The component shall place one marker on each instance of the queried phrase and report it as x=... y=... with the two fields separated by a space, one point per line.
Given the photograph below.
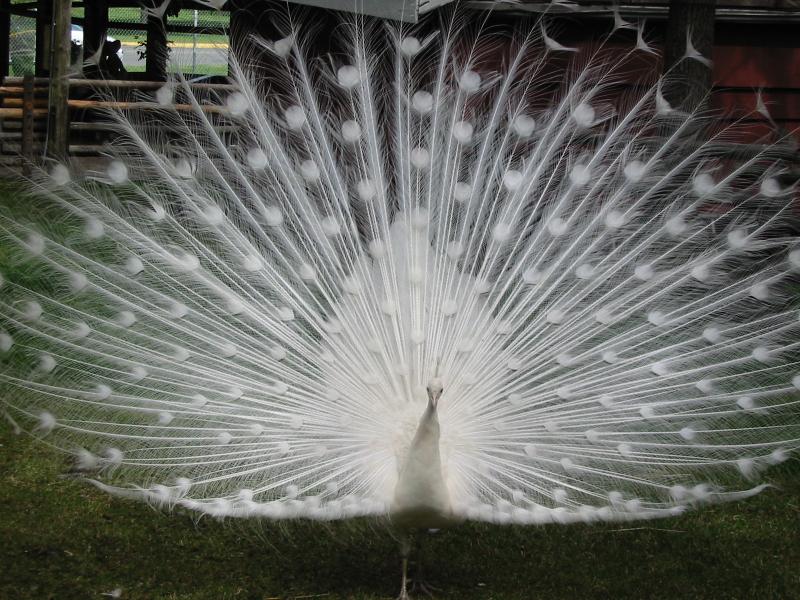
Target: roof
x=411 y=10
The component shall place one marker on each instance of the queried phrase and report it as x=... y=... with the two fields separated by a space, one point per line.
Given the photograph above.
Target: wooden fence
x=24 y=118
x=24 y=114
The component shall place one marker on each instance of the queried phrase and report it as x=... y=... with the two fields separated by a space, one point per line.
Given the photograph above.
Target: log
x=122 y=84
x=19 y=102
x=124 y=105
x=92 y=126
x=16 y=113
x=38 y=146
x=17 y=90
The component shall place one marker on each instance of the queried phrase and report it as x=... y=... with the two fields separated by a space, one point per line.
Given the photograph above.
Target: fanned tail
x=240 y=315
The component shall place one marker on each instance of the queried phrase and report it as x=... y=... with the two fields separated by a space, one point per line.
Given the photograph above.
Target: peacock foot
x=423 y=587
x=418 y=588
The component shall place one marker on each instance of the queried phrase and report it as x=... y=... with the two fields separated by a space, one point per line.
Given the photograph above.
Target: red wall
x=740 y=70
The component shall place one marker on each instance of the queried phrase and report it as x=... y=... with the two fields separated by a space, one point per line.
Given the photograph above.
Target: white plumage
x=241 y=315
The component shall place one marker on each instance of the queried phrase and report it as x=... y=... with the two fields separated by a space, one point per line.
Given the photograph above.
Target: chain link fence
x=198 y=54
x=22 y=44
x=191 y=53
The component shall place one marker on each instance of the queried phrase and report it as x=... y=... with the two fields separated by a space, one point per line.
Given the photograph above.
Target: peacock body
x=427 y=276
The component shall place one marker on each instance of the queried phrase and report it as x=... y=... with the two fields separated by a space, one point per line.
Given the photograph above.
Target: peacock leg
x=405 y=549
x=418 y=583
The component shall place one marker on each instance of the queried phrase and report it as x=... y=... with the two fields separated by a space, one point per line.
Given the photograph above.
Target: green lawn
x=199 y=69
x=181 y=38
x=63 y=539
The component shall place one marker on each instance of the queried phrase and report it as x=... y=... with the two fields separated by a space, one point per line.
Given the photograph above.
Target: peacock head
x=435 y=389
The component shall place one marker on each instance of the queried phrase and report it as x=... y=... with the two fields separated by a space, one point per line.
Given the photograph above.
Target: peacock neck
x=421 y=499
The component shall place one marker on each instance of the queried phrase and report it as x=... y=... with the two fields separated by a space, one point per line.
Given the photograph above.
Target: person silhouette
x=110 y=63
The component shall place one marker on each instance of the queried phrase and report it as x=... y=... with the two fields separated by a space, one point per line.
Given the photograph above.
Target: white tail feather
x=244 y=323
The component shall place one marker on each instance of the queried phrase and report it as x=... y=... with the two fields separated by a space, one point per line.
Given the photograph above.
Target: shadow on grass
x=62 y=539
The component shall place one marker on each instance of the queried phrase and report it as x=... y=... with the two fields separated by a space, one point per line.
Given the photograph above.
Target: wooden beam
x=58 y=126
x=19 y=113
x=44 y=19
x=154 y=106
x=120 y=83
x=403 y=10
x=689 y=80
x=23 y=102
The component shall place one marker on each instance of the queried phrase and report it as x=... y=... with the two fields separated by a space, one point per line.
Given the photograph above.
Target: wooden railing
x=24 y=117
x=24 y=114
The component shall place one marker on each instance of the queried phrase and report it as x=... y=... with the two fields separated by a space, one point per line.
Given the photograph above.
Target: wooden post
x=27 y=123
x=246 y=20
x=5 y=37
x=689 y=79
x=95 y=25
x=44 y=19
x=58 y=122
x=156 y=59
x=238 y=28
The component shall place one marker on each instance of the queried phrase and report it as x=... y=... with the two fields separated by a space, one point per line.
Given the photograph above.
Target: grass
x=199 y=69
x=181 y=38
x=63 y=539
x=208 y=69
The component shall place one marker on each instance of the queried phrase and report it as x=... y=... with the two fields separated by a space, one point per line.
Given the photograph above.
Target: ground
x=62 y=539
